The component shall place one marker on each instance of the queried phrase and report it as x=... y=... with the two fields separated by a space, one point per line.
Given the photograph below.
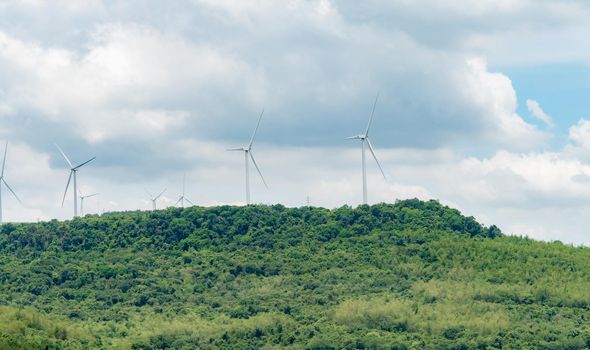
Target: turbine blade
x=353 y=137
x=374 y=156
x=67 y=186
x=235 y=149
x=65 y=157
x=11 y=191
x=189 y=201
x=255 y=130
x=372 y=114
x=178 y=201
x=4 y=161
x=86 y=162
x=149 y=194
x=258 y=169
x=91 y=195
x=161 y=193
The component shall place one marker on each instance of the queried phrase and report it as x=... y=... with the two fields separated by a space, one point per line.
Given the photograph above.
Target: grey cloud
x=316 y=79
x=582 y=178
x=448 y=25
x=157 y=89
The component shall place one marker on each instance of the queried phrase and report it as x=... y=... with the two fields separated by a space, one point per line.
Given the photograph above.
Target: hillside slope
x=412 y=275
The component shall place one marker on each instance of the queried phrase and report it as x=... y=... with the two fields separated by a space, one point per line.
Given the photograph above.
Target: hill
x=410 y=275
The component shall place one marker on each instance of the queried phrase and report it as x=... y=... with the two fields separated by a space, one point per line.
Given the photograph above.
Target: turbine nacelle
x=365 y=138
x=81 y=165
x=182 y=197
x=87 y=196
x=73 y=172
x=82 y=198
x=154 y=199
x=249 y=156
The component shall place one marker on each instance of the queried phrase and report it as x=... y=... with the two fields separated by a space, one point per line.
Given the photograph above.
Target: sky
x=482 y=105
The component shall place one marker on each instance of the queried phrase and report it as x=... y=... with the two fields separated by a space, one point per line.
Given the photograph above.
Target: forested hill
x=410 y=275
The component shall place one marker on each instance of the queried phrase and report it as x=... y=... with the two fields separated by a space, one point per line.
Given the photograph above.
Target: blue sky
x=483 y=105
x=563 y=87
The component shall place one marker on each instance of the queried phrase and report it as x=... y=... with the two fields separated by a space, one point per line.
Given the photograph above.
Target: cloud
x=131 y=88
x=518 y=191
x=109 y=90
x=578 y=142
x=494 y=95
x=543 y=179
x=159 y=89
x=322 y=78
x=539 y=113
x=579 y=134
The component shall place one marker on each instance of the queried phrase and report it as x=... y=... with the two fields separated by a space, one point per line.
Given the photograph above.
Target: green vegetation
x=413 y=275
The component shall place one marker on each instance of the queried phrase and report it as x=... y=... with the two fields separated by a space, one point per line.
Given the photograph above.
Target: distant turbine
x=3 y=181
x=182 y=196
x=155 y=199
x=82 y=198
x=73 y=172
x=247 y=156
x=365 y=138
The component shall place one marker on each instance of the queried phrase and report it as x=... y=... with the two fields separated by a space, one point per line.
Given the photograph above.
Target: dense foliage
x=412 y=275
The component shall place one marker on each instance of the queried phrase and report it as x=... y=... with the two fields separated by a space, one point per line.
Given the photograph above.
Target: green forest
x=410 y=275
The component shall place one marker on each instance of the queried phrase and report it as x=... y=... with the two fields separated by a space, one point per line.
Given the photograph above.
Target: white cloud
x=579 y=136
x=546 y=177
x=518 y=192
x=104 y=93
x=496 y=98
x=125 y=73
x=539 y=113
x=156 y=91
x=578 y=145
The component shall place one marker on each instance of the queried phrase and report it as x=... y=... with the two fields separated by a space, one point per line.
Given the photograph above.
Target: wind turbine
x=182 y=197
x=82 y=198
x=247 y=156
x=3 y=181
x=155 y=199
x=73 y=173
x=365 y=138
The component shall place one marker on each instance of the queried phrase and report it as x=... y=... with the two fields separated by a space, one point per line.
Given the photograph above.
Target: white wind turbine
x=3 y=181
x=182 y=197
x=82 y=198
x=247 y=156
x=365 y=138
x=155 y=199
x=73 y=173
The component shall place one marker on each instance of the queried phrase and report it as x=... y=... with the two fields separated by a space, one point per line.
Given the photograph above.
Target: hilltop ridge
x=175 y=225
x=409 y=275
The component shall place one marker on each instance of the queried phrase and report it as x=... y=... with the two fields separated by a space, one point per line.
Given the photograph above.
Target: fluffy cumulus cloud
x=304 y=61
x=496 y=99
x=157 y=90
x=579 y=140
x=132 y=81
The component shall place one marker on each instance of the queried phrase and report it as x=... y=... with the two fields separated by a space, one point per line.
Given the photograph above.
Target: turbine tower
x=247 y=156
x=73 y=173
x=155 y=199
x=82 y=198
x=182 y=197
x=3 y=181
x=365 y=138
